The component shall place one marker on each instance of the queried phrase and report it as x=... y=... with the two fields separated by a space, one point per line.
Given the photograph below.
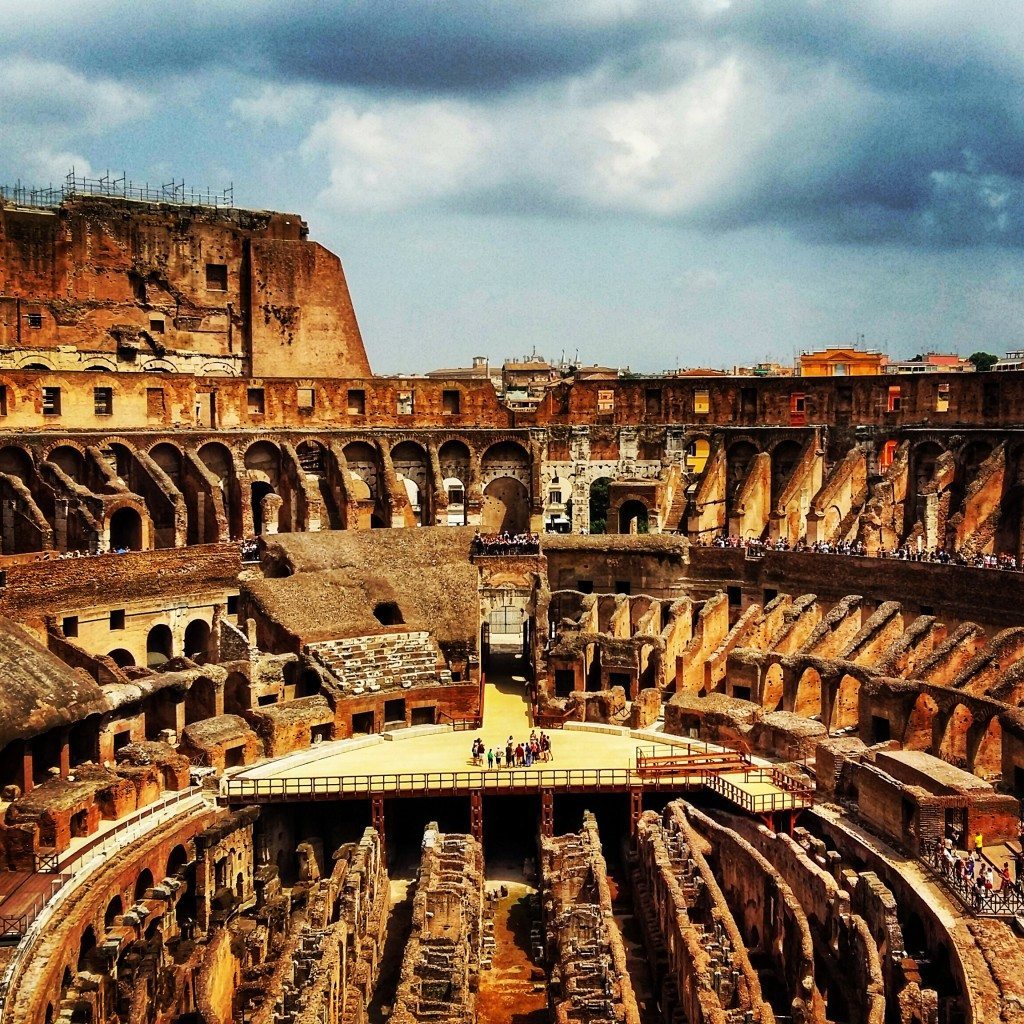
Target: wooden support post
x=27 y=768
x=377 y=815
x=476 y=815
x=547 y=813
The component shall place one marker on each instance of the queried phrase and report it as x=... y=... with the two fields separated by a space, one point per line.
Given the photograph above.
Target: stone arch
x=263 y=461
x=177 y=859
x=412 y=464
x=86 y=944
x=785 y=456
x=126 y=532
x=954 y=746
x=220 y=464
x=70 y=459
x=454 y=458
x=697 y=454
x=919 y=733
x=507 y=458
x=237 y=694
x=121 y=657
x=217 y=458
x=170 y=459
x=773 y=688
x=633 y=516
x=262 y=514
x=363 y=461
x=115 y=908
x=197 y=637
x=738 y=458
x=506 y=506
x=16 y=461
x=987 y=757
x=200 y=700
x=159 y=645
x=807 y=701
x=845 y=707
x=600 y=502
x=143 y=882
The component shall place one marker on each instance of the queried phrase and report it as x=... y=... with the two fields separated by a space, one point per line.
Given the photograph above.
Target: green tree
x=983 y=361
x=599 y=505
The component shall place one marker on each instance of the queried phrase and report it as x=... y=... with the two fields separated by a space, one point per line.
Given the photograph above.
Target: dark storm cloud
x=863 y=121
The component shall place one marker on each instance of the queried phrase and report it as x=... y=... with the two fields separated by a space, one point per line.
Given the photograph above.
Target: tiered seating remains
x=389 y=661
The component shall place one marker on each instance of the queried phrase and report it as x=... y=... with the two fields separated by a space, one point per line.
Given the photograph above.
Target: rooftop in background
x=842 y=362
x=173 y=192
x=931 y=362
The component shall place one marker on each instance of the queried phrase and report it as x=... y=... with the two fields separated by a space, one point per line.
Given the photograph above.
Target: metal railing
x=1006 y=901
x=759 y=803
x=14 y=926
x=120 y=188
x=459 y=724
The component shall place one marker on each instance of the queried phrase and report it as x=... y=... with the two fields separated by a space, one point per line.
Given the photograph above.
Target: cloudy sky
x=694 y=182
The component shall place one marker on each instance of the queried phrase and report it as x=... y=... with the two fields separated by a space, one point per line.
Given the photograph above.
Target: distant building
x=530 y=375
x=764 y=370
x=842 y=362
x=1013 y=360
x=931 y=362
x=480 y=370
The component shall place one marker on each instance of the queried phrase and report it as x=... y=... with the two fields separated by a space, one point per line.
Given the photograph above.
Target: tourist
x=978 y=844
x=490 y=758
x=509 y=748
x=1004 y=875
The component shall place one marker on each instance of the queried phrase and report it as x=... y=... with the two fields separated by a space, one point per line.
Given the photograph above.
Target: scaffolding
x=174 y=192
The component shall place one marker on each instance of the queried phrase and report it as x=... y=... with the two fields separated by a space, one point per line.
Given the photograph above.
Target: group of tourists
x=505 y=544
x=524 y=754
x=755 y=546
x=975 y=874
x=249 y=549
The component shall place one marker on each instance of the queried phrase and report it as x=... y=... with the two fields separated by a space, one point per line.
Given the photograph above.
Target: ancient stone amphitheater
x=250 y=635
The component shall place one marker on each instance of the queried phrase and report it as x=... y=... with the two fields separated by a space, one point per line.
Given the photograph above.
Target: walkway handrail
x=459 y=724
x=1006 y=901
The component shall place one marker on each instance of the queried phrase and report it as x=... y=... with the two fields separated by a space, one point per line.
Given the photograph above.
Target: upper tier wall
x=150 y=401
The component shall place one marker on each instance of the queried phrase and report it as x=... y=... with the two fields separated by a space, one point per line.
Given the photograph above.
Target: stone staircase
x=387 y=661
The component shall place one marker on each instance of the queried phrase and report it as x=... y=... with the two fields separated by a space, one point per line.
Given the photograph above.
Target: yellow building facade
x=842 y=362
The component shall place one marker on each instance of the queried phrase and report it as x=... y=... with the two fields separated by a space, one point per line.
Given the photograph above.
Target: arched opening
x=259 y=490
x=773 y=688
x=363 y=460
x=633 y=517
x=314 y=461
x=599 y=504
x=506 y=507
x=808 y=694
x=200 y=701
x=16 y=462
x=845 y=709
x=126 y=530
x=237 y=694
x=158 y=646
x=176 y=861
x=988 y=760
x=954 y=740
x=122 y=658
x=86 y=945
x=143 y=883
x=115 y=908
x=309 y=683
x=387 y=613
x=70 y=460
x=218 y=461
x=697 y=456
x=785 y=456
x=737 y=465
x=411 y=464
x=920 y=731
x=197 y=638
x=454 y=459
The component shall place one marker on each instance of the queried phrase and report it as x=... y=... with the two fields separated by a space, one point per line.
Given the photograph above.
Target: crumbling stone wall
x=587 y=960
x=442 y=961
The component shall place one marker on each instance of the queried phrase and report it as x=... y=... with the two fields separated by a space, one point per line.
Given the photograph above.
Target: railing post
x=377 y=816
x=476 y=815
x=636 y=808
x=547 y=813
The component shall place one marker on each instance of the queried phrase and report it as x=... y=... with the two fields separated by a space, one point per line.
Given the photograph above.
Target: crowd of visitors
x=973 y=875
x=505 y=544
x=524 y=754
x=755 y=546
x=249 y=549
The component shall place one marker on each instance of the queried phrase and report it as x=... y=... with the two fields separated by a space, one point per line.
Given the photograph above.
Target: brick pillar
x=26 y=766
x=547 y=813
x=377 y=816
x=636 y=808
x=65 y=753
x=476 y=815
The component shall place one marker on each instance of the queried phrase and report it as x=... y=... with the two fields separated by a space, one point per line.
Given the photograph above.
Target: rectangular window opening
x=157 y=325
x=357 y=403
x=256 y=401
x=216 y=277
x=3 y=399
x=623 y=587
x=69 y=625
x=103 y=401
x=701 y=402
x=35 y=320
x=942 y=399
x=306 y=399
x=451 y=403
x=51 y=401
x=155 y=403
x=895 y=400
x=117 y=619
x=404 y=403
x=605 y=403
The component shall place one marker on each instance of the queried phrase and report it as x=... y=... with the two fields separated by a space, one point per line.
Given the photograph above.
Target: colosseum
x=308 y=719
